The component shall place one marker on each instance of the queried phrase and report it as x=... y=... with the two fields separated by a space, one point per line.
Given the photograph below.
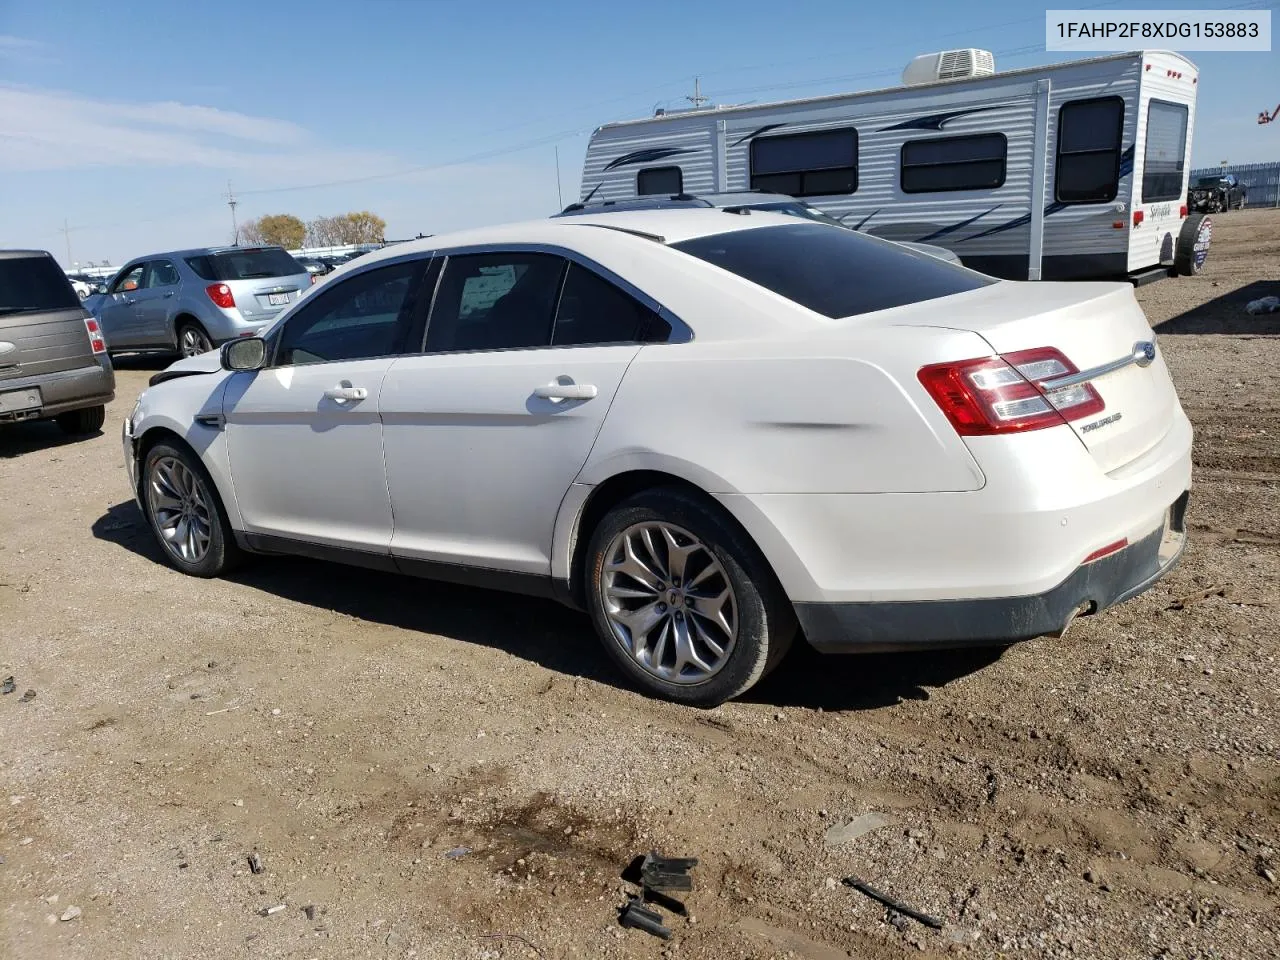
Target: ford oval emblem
x=7 y=347
x=1144 y=353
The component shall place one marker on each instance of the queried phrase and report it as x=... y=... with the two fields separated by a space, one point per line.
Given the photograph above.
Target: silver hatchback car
x=189 y=301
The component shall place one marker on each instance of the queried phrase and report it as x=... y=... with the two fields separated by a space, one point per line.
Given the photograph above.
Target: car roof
x=202 y=251
x=663 y=226
x=23 y=254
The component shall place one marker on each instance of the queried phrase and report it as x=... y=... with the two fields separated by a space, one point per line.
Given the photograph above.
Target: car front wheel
x=683 y=601
x=185 y=513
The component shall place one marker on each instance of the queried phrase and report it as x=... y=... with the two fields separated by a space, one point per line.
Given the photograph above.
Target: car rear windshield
x=834 y=272
x=34 y=284
x=254 y=265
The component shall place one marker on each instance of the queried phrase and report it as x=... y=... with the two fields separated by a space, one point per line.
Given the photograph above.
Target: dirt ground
x=1111 y=794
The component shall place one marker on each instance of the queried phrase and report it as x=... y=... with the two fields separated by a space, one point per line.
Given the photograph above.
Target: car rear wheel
x=192 y=340
x=683 y=601
x=185 y=513
x=77 y=423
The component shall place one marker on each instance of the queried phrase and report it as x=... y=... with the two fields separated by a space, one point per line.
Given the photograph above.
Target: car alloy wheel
x=192 y=341
x=182 y=509
x=669 y=602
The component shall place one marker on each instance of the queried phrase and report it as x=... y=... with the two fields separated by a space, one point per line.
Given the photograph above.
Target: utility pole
x=66 y=233
x=559 y=195
x=697 y=99
x=231 y=202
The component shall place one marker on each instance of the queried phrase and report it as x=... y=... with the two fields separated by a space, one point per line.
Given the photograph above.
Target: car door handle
x=343 y=394
x=566 y=391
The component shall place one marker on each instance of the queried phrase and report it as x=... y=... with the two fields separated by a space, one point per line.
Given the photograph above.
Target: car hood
x=210 y=362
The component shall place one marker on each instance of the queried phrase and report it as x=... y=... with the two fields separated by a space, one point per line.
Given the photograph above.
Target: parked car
x=189 y=301
x=1215 y=194
x=53 y=360
x=316 y=266
x=709 y=431
x=745 y=200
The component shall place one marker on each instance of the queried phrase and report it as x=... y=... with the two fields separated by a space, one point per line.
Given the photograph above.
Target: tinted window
x=668 y=180
x=359 y=317
x=838 y=273
x=131 y=279
x=593 y=310
x=495 y=302
x=954 y=163
x=162 y=274
x=203 y=268
x=29 y=284
x=254 y=264
x=1088 y=161
x=1166 y=147
x=806 y=164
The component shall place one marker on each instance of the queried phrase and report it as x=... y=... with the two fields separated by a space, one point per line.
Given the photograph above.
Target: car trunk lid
x=43 y=342
x=1101 y=329
x=263 y=280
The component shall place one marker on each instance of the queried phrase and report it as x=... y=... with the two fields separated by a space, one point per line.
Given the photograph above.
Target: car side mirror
x=246 y=353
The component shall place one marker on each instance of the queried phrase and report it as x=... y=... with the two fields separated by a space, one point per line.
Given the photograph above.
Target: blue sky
x=127 y=122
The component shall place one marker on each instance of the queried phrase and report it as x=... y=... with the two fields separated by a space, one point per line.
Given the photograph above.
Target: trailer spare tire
x=1193 y=245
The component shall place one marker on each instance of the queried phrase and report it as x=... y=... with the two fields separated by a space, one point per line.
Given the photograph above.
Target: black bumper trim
x=939 y=624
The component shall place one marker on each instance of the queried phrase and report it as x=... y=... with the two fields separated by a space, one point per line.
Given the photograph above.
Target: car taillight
x=96 y=341
x=313 y=279
x=220 y=294
x=1007 y=394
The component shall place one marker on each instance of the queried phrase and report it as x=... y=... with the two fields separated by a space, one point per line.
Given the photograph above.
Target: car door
x=155 y=302
x=304 y=437
x=486 y=429
x=117 y=314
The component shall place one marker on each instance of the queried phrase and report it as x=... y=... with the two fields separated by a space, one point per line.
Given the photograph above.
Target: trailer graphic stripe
x=934 y=121
x=1021 y=221
x=956 y=226
x=863 y=221
x=646 y=156
x=755 y=133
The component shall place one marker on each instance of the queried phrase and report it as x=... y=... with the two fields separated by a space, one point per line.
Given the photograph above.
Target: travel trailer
x=1072 y=171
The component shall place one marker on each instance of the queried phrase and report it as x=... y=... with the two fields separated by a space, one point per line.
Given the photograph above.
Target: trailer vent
x=949 y=65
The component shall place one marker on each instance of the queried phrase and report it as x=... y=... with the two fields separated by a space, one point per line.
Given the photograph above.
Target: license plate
x=14 y=401
x=278 y=299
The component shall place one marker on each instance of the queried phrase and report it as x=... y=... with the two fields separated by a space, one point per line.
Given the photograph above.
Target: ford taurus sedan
x=713 y=432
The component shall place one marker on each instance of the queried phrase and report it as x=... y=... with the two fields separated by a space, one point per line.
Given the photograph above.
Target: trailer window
x=837 y=273
x=954 y=163
x=806 y=164
x=1088 y=161
x=1166 y=147
x=664 y=180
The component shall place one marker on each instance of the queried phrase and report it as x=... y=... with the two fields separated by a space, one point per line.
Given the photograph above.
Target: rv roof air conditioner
x=949 y=65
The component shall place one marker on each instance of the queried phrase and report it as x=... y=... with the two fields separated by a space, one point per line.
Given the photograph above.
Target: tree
x=356 y=227
x=277 y=229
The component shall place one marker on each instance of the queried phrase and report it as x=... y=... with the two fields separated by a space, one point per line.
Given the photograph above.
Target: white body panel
x=991 y=229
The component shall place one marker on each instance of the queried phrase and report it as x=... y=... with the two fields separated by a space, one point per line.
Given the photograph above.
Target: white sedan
x=712 y=431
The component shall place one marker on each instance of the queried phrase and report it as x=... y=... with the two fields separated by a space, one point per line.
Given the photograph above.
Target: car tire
x=176 y=489
x=78 y=423
x=1193 y=245
x=716 y=560
x=192 y=339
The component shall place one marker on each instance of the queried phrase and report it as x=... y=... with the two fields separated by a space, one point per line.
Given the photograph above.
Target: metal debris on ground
x=666 y=873
x=1191 y=599
x=70 y=914
x=457 y=852
x=843 y=833
x=268 y=911
x=635 y=914
x=28 y=696
x=255 y=863
x=892 y=904
x=8 y=685
x=1263 y=305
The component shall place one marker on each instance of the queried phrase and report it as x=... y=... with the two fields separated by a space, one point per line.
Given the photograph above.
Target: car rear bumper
x=933 y=624
x=88 y=386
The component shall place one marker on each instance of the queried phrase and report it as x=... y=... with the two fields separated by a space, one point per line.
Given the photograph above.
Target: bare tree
x=346 y=228
x=249 y=233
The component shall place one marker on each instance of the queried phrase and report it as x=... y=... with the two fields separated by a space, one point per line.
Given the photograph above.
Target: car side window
x=495 y=301
x=130 y=280
x=364 y=316
x=593 y=310
x=161 y=273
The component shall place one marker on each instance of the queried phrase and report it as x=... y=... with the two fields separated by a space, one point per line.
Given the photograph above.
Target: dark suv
x=53 y=359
